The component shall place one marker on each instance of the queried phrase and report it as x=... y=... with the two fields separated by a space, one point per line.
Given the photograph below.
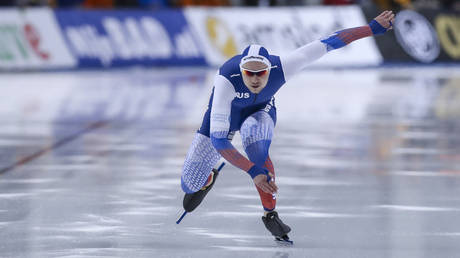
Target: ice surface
x=367 y=162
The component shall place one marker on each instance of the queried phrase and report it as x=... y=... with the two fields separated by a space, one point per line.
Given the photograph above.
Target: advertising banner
x=31 y=39
x=422 y=36
x=225 y=32
x=128 y=37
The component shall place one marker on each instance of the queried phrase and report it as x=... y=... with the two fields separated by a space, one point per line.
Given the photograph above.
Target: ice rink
x=367 y=161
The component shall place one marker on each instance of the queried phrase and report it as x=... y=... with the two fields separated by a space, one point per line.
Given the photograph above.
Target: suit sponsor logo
x=243 y=95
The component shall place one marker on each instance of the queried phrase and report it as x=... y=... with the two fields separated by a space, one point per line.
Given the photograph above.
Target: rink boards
x=67 y=39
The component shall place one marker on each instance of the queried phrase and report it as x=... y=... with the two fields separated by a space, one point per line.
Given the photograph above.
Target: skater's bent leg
x=256 y=133
x=201 y=158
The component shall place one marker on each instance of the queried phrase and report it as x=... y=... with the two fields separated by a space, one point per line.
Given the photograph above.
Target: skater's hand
x=386 y=19
x=263 y=179
x=268 y=187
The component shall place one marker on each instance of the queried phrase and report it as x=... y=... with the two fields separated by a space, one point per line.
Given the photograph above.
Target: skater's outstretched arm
x=301 y=57
x=224 y=93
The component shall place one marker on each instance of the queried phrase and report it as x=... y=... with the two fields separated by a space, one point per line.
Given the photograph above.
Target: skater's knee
x=258 y=151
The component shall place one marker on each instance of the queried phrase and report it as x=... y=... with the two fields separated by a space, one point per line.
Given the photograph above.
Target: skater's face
x=255 y=75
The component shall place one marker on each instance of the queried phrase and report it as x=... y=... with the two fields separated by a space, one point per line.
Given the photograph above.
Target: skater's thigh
x=201 y=158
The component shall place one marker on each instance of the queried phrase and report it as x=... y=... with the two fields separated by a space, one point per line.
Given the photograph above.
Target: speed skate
x=191 y=201
x=278 y=229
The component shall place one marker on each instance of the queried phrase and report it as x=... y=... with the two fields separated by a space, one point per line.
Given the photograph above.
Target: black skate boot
x=191 y=201
x=278 y=229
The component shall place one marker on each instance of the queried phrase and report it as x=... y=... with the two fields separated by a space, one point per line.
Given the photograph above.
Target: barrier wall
x=120 y=38
x=280 y=30
x=31 y=39
x=423 y=36
x=42 y=38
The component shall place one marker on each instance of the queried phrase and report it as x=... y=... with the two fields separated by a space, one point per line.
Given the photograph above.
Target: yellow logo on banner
x=448 y=28
x=221 y=37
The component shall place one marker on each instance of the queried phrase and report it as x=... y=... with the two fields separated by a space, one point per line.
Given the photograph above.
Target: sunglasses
x=252 y=73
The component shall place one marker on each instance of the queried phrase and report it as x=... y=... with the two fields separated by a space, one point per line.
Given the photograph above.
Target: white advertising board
x=225 y=32
x=31 y=39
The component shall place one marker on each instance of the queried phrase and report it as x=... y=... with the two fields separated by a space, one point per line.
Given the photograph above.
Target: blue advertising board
x=106 y=38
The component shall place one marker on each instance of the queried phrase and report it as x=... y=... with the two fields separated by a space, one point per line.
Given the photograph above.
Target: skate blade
x=181 y=217
x=284 y=241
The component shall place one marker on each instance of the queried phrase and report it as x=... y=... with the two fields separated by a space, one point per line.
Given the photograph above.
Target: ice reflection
x=367 y=160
